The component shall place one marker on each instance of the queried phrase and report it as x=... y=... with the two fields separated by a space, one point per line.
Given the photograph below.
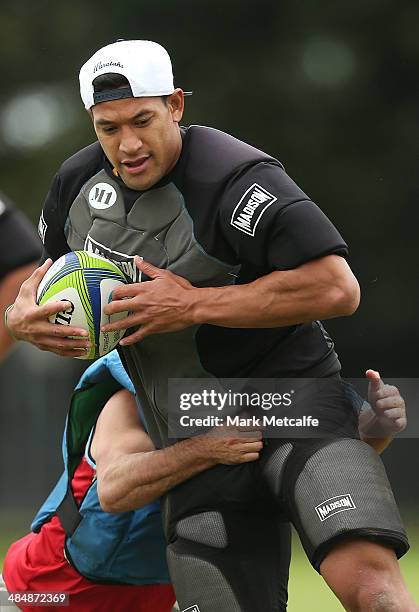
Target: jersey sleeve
x=51 y=224
x=271 y=223
x=19 y=243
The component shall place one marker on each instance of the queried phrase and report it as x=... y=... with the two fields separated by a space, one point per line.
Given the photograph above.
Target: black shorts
x=228 y=526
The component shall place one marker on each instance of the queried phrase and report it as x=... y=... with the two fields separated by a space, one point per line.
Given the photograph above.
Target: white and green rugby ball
x=86 y=281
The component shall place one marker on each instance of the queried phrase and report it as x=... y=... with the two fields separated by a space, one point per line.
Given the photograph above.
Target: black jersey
x=227 y=213
x=19 y=243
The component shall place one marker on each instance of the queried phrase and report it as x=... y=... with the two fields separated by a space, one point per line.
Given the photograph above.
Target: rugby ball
x=86 y=281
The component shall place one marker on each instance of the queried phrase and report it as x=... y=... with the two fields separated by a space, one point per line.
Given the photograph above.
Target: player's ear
x=176 y=104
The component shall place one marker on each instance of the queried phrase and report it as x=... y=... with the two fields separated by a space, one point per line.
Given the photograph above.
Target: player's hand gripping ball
x=87 y=282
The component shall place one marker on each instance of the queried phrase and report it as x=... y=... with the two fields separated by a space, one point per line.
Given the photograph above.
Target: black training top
x=228 y=213
x=19 y=243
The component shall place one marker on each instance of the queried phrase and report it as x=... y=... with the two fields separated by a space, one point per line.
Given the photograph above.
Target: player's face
x=140 y=136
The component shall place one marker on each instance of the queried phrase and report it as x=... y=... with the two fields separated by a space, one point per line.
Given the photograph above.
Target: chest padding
x=158 y=228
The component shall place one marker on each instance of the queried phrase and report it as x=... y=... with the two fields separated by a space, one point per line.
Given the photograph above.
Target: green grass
x=307 y=590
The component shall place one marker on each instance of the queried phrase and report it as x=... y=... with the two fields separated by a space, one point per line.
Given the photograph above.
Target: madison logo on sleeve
x=248 y=212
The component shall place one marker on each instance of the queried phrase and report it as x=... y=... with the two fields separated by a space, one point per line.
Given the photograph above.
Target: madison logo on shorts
x=124 y=262
x=250 y=209
x=332 y=506
x=192 y=609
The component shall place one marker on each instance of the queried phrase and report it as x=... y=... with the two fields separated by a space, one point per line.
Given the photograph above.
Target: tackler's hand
x=387 y=415
x=233 y=445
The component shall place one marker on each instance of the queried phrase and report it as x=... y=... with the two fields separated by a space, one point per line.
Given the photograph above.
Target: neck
x=177 y=152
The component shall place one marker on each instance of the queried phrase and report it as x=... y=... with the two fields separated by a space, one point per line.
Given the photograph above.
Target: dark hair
x=114 y=80
x=111 y=80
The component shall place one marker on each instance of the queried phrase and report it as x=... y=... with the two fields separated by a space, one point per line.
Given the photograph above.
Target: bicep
x=119 y=431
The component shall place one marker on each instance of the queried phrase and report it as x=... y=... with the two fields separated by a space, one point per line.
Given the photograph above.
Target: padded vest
x=125 y=548
x=158 y=227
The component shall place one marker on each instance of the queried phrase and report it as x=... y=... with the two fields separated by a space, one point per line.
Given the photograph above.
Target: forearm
x=138 y=479
x=316 y=290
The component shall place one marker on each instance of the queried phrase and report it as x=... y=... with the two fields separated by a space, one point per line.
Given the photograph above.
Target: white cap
x=145 y=64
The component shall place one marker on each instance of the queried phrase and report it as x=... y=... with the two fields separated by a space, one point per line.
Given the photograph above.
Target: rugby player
x=241 y=265
x=107 y=562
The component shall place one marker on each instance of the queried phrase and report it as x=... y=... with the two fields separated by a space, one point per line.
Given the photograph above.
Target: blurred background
x=330 y=88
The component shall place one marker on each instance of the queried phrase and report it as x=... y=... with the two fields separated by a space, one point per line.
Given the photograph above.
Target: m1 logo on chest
x=248 y=212
x=102 y=195
x=124 y=262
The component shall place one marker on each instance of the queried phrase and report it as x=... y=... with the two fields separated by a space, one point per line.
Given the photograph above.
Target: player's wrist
x=379 y=444
x=371 y=426
x=7 y=322
x=201 y=451
x=211 y=305
x=198 y=308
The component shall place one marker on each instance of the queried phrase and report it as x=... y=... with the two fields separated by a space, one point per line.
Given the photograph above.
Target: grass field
x=307 y=591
